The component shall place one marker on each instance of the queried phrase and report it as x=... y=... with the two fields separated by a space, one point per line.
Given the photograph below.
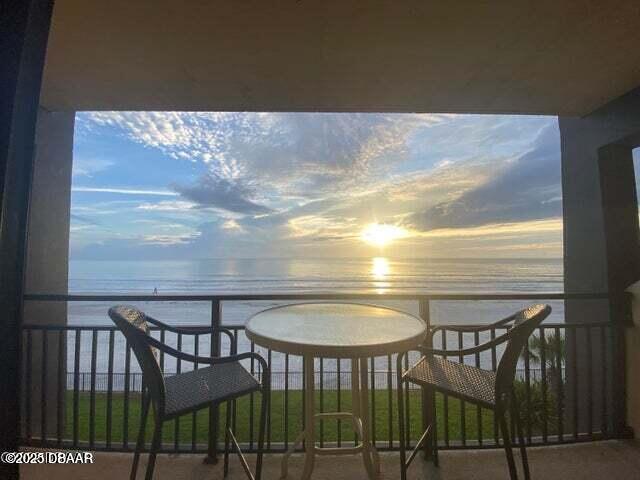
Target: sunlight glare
x=380 y=234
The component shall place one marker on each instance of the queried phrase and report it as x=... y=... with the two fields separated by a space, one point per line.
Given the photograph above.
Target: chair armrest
x=468 y=351
x=192 y=330
x=187 y=357
x=471 y=328
x=404 y=354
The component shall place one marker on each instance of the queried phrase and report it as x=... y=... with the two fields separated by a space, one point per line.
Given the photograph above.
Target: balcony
x=90 y=397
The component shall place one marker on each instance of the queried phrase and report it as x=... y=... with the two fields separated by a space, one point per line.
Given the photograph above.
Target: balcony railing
x=82 y=387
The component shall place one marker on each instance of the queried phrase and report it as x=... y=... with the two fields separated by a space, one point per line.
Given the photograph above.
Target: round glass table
x=338 y=331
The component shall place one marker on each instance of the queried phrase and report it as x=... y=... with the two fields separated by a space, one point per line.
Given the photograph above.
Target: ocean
x=377 y=276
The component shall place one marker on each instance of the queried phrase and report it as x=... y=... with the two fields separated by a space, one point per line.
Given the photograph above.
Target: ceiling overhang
x=545 y=57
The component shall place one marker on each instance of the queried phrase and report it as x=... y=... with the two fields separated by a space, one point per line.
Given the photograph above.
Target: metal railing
x=82 y=385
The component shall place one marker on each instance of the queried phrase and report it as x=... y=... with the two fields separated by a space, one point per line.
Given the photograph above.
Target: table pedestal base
x=359 y=417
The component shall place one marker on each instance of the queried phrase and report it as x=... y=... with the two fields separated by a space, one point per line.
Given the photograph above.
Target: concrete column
x=47 y=267
x=601 y=251
x=585 y=269
x=622 y=235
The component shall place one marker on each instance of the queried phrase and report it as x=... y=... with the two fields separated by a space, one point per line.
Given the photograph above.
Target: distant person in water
x=155 y=290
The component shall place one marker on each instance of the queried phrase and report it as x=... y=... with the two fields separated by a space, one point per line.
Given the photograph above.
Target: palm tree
x=552 y=349
x=540 y=408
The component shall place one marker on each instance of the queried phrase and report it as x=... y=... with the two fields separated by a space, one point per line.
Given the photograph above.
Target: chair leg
x=155 y=446
x=506 y=438
x=226 y=437
x=434 y=429
x=523 y=446
x=146 y=400
x=264 y=410
x=401 y=425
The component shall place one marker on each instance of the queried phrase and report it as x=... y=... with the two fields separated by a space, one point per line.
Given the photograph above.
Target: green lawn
x=329 y=428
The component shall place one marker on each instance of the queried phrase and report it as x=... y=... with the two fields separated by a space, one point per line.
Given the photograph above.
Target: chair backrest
x=524 y=324
x=133 y=324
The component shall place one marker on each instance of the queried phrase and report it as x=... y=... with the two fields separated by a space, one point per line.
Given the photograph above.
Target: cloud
x=528 y=188
x=180 y=239
x=292 y=154
x=207 y=240
x=167 y=206
x=83 y=220
x=232 y=225
x=87 y=167
x=534 y=227
x=211 y=190
x=125 y=191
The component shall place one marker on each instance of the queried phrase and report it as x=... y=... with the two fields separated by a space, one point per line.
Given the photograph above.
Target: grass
x=327 y=430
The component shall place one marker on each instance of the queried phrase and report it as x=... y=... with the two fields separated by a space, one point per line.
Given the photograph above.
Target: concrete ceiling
x=547 y=57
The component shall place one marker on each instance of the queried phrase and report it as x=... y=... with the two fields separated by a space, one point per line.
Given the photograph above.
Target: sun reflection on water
x=380 y=270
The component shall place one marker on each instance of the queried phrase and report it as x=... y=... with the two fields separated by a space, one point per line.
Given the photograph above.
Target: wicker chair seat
x=457 y=379
x=188 y=391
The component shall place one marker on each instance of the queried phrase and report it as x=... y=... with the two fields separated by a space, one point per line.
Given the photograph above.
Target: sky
x=190 y=185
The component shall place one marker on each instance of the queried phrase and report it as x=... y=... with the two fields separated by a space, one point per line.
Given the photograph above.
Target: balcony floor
x=618 y=460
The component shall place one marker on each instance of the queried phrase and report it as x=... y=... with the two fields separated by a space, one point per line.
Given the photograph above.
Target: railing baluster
x=110 y=389
x=494 y=367
x=589 y=381
x=424 y=311
x=321 y=394
x=29 y=385
x=527 y=390
x=92 y=395
x=162 y=362
x=445 y=397
x=559 y=385
x=407 y=402
x=76 y=387
x=476 y=340
x=286 y=401
x=574 y=363
x=543 y=374
x=269 y=406
x=390 y=415
x=176 y=427
x=372 y=391
x=43 y=387
x=214 y=411
x=127 y=375
x=251 y=400
x=338 y=399
x=194 y=417
x=463 y=412
x=304 y=403
x=234 y=404
x=604 y=361
x=62 y=385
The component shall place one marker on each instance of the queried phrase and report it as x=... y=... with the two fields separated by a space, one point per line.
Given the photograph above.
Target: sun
x=381 y=234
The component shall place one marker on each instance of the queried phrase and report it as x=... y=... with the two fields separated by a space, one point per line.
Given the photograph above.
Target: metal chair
x=489 y=389
x=224 y=380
